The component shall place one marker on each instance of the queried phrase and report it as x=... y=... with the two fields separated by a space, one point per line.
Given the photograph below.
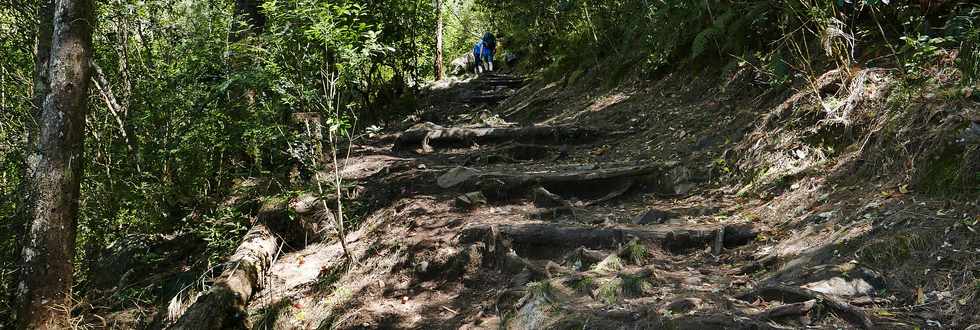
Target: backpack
x=490 y=41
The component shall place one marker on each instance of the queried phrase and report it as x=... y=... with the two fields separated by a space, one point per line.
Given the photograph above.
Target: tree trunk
x=41 y=88
x=438 y=61
x=42 y=54
x=117 y=110
x=49 y=245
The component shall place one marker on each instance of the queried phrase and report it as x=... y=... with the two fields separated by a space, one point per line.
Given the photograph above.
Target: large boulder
x=463 y=64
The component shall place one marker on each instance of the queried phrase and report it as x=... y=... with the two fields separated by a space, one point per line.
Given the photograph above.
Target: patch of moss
x=541 y=289
x=584 y=285
x=945 y=174
x=634 y=286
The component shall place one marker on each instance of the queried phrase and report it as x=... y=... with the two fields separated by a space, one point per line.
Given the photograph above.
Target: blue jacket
x=481 y=50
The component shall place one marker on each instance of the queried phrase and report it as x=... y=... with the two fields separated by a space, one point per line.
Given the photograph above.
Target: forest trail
x=632 y=164
x=494 y=213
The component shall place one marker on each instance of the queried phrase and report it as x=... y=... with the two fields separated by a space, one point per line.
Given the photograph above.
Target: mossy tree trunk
x=53 y=188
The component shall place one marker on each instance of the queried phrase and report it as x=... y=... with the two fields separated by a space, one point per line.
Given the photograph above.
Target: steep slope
x=683 y=203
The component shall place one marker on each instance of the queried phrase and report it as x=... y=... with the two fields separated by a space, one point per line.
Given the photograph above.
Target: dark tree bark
x=49 y=244
x=437 y=65
x=42 y=53
x=45 y=28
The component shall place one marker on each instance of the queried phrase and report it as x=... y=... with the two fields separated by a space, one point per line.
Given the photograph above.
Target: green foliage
x=16 y=83
x=613 y=289
x=635 y=252
x=612 y=263
x=969 y=51
x=585 y=284
x=464 y=22
x=541 y=289
x=610 y=290
x=201 y=112
x=920 y=52
x=780 y=41
x=634 y=286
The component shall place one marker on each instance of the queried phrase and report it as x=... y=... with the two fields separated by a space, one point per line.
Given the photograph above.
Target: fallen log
x=791 y=294
x=431 y=134
x=672 y=237
x=223 y=306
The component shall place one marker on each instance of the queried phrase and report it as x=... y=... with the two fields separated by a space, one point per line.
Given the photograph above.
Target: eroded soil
x=643 y=223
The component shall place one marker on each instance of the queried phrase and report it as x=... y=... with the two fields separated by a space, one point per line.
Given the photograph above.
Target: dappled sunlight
x=483 y=164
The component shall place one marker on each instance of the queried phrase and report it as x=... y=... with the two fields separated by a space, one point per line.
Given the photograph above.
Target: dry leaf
x=904 y=189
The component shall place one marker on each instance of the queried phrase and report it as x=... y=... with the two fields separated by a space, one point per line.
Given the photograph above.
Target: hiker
x=484 y=51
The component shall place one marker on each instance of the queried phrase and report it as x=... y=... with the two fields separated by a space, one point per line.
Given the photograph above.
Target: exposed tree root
x=490 y=98
x=794 y=309
x=675 y=238
x=550 y=213
x=515 y=153
x=546 y=199
x=758 y=265
x=431 y=134
x=720 y=321
x=587 y=256
x=790 y=294
x=502 y=81
x=620 y=189
x=615 y=181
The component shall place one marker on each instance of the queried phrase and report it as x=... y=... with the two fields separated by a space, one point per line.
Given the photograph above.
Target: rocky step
x=594 y=182
x=486 y=98
x=429 y=135
x=510 y=82
x=675 y=238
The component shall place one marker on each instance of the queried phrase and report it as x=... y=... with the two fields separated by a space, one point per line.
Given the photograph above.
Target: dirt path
x=479 y=223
